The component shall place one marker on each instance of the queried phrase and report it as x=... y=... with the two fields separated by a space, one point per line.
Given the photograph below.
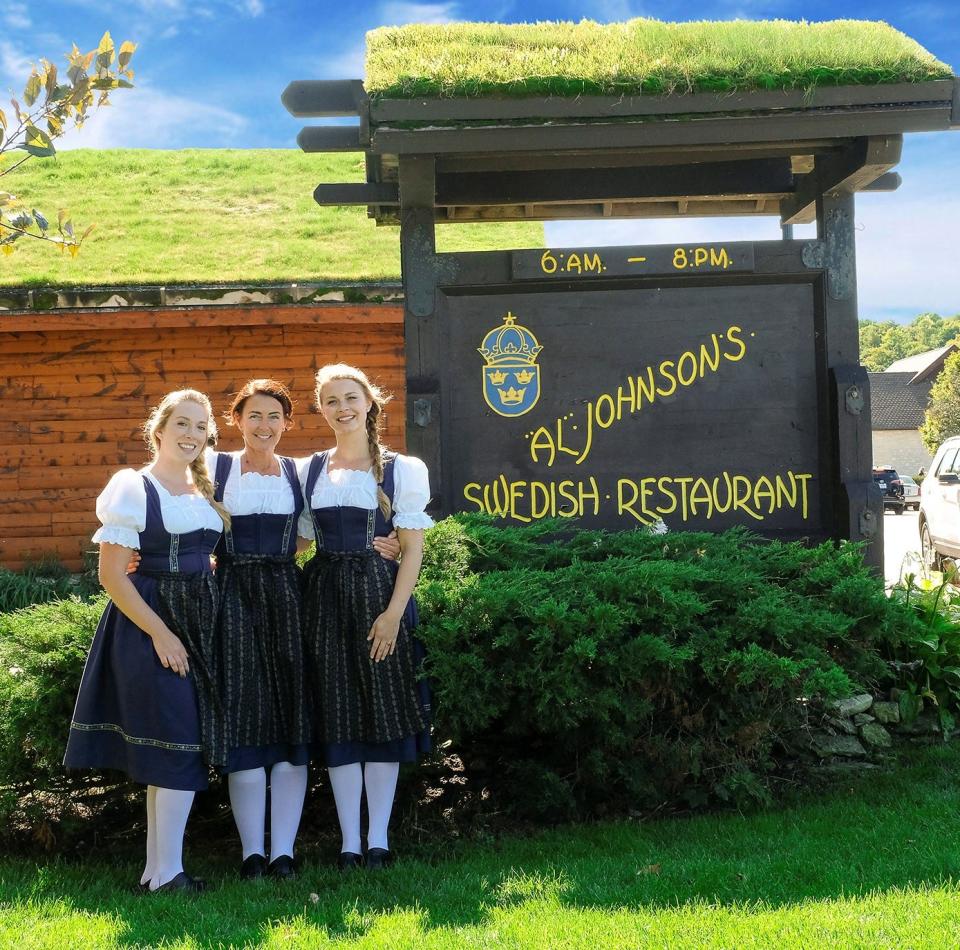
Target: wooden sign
x=697 y=406
x=633 y=261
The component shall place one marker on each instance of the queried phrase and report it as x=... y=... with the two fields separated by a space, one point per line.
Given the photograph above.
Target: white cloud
x=16 y=16
x=398 y=13
x=147 y=118
x=254 y=8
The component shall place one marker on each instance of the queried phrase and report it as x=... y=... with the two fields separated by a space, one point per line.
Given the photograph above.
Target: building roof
x=896 y=401
x=923 y=365
x=642 y=56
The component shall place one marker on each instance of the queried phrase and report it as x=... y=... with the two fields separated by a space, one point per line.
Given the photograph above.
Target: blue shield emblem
x=511 y=376
x=511 y=390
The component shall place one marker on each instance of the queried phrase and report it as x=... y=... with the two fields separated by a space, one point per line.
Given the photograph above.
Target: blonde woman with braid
x=371 y=710
x=148 y=704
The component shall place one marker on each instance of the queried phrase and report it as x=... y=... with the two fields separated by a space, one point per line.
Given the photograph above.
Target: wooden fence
x=76 y=387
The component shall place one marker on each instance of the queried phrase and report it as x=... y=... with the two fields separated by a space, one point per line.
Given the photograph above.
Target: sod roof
x=214 y=216
x=641 y=56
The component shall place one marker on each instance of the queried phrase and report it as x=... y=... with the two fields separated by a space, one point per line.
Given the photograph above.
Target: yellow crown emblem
x=511 y=396
x=510 y=353
x=510 y=345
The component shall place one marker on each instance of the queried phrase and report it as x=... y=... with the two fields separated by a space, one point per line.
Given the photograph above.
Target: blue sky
x=210 y=74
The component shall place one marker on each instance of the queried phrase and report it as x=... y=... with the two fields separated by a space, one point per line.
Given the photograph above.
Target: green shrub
x=574 y=672
x=928 y=658
x=582 y=671
x=42 y=652
x=37 y=583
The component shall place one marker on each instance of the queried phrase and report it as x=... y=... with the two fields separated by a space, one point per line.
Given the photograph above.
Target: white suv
x=940 y=506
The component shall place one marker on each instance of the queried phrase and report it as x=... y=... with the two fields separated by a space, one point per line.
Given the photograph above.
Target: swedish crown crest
x=511 y=376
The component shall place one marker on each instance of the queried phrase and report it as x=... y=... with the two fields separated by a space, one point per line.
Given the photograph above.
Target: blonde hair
x=159 y=417
x=378 y=399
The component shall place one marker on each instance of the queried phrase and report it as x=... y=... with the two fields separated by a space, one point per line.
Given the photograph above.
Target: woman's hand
x=384 y=633
x=134 y=562
x=389 y=547
x=172 y=653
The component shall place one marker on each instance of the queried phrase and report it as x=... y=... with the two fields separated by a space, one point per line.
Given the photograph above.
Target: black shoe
x=348 y=860
x=254 y=866
x=182 y=883
x=378 y=859
x=283 y=868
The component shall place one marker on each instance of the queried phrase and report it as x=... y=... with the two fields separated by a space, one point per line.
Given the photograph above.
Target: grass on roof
x=639 y=56
x=215 y=216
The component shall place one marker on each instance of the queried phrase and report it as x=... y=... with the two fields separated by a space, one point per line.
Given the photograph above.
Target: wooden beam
x=427 y=109
x=754 y=177
x=330 y=138
x=357 y=193
x=632 y=157
x=317 y=98
x=754 y=129
x=842 y=173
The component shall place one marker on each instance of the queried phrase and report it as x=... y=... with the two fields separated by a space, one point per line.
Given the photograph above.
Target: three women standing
x=244 y=706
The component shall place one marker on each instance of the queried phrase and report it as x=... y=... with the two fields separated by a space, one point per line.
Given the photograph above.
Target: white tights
x=248 y=798
x=348 y=783
x=167 y=813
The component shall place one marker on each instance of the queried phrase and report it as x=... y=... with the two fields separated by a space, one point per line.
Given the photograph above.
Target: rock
x=924 y=724
x=826 y=745
x=886 y=712
x=851 y=705
x=841 y=725
x=861 y=719
x=875 y=735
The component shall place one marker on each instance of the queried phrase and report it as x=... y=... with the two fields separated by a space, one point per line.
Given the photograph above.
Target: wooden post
x=417 y=175
x=858 y=511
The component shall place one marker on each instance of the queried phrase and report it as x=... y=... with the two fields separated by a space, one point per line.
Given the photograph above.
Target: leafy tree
x=883 y=343
x=51 y=106
x=942 y=418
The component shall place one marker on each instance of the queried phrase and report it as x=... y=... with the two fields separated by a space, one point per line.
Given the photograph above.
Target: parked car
x=911 y=493
x=940 y=506
x=888 y=481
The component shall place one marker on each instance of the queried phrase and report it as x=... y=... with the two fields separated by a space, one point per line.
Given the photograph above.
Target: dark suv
x=888 y=481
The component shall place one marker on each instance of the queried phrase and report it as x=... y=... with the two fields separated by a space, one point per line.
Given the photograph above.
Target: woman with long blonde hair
x=148 y=703
x=371 y=710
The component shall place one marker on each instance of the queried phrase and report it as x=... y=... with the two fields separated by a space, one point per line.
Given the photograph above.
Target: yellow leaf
x=106 y=43
x=74 y=249
x=7 y=249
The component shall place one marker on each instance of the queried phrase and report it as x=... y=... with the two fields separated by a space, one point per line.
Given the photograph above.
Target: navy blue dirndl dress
x=260 y=639
x=364 y=711
x=132 y=714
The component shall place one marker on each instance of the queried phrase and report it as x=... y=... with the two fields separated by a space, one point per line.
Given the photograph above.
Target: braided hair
x=198 y=467
x=378 y=399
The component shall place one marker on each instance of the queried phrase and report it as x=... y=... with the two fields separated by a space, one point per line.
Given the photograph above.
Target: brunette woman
x=260 y=645
x=148 y=702
x=371 y=711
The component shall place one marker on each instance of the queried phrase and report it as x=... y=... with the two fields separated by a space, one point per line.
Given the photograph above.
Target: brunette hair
x=159 y=417
x=378 y=399
x=261 y=387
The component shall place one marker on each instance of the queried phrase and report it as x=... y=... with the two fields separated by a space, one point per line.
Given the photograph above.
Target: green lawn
x=639 y=56
x=872 y=862
x=215 y=216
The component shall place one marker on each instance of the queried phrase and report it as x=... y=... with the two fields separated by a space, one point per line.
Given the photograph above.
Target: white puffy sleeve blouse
x=122 y=510
x=356 y=489
x=252 y=493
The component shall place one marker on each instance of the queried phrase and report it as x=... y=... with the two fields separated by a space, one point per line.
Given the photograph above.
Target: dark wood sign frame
x=798 y=155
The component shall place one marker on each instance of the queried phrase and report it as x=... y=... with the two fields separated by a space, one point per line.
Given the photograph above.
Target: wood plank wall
x=76 y=387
